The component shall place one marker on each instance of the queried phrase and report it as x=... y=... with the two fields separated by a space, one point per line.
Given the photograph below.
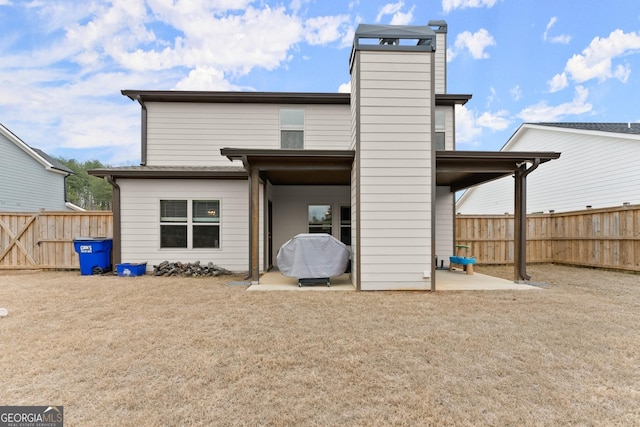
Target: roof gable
x=40 y=156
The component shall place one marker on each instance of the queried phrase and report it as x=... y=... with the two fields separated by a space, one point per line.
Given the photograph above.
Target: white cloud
x=449 y=5
x=562 y=39
x=401 y=18
x=206 y=78
x=542 y=112
x=326 y=29
x=389 y=9
x=494 y=121
x=467 y=130
x=236 y=43
x=595 y=61
x=516 y=93
x=492 y=96
x=345 y=88
x=474 y=43
x=470 y=124
x=558 y=82
x=398 y=17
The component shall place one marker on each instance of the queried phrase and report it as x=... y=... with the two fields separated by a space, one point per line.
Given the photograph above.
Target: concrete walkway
x=456 y=280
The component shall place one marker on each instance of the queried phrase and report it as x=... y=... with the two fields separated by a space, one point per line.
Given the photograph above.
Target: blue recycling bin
x=94 y=254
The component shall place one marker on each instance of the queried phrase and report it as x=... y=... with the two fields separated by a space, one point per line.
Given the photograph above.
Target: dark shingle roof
x=55 y=163
x=628 y=128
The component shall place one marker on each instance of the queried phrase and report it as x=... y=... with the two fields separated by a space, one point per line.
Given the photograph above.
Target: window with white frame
x=320 y=219
x=291 y=128
x=440 y=130
x=345 y=225
x=190 y=224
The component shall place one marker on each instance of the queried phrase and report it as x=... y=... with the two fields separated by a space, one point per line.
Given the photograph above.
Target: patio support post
x=520 y=219
x=254 y=226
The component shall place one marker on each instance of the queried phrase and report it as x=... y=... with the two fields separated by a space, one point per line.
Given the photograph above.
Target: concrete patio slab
x=459 y=280
x=456 y=280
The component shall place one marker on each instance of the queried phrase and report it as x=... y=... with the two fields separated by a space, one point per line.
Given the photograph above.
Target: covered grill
x=313 y=258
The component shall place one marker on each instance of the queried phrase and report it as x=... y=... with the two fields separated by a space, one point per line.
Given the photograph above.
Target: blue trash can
x=94 y=254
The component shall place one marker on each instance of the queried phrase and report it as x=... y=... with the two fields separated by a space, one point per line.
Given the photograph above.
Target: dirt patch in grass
x=194 y=351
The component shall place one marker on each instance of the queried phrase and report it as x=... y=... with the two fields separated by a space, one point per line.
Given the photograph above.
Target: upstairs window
x=440 y=129
x=291 y=128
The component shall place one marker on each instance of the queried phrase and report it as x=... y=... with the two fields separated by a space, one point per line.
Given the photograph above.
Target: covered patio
x=457 y=170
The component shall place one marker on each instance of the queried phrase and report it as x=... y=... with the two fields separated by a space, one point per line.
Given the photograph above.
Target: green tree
x=84 y=190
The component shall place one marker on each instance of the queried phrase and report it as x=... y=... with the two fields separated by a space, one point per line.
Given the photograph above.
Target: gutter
x=143 y=125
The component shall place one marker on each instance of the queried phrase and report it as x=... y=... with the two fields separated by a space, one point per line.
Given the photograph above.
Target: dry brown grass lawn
x=159 y=351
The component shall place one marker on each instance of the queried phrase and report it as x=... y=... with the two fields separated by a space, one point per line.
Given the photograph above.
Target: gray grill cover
x=313 y=256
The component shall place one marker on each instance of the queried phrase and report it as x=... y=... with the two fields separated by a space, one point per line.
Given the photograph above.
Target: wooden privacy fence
x=605 y=238
x=44 y=240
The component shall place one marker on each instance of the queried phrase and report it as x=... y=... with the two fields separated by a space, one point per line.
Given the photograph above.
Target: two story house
x=231 y=176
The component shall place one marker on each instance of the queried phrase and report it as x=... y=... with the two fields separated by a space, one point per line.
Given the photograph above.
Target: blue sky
x=64 y=62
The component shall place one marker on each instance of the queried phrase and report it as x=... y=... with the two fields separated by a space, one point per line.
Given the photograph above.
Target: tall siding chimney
x=393 y=180
x=440 y=28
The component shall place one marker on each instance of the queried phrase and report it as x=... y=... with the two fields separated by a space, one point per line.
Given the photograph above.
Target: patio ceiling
x=297 y=167
x=456 y=169
x=464 y=169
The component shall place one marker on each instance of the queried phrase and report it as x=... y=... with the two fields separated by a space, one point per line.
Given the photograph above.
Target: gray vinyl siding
x=140 y=221
x=395 y=155
x=595 y=168
x=444 y=224
x=290 y=209
x=25 y=183
x=190 y=134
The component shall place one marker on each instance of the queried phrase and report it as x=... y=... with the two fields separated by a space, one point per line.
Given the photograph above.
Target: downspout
x=143 y=138
x=521 y=219
x=65 y=187
x=116 y=249
x=143 y=129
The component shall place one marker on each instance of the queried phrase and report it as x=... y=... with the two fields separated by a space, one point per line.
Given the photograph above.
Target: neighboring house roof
x=40 y=156
x=630 y=128
x=55 y=164
x=597 y=168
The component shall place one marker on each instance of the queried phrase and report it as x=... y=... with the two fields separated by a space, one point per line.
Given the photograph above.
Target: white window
x=190 y=224
x=320 y=219
x=440 y=129
x=345 y=225
x=291 y=128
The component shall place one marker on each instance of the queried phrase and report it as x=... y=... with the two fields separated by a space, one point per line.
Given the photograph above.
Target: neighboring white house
x=598 y=168
x=228 y=177
x=30 y=180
